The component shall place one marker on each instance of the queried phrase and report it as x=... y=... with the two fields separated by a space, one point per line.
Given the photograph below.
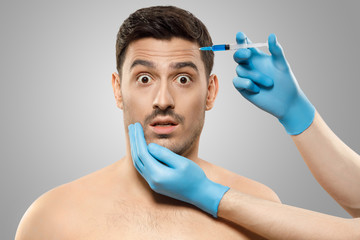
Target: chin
x=180 y=148
x=180 y=145
x=165 y=142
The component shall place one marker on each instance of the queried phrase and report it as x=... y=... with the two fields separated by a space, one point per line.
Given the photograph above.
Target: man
x=164 y=83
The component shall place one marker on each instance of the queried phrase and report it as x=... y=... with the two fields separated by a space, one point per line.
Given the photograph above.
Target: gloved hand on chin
x=268 y=82
x=173 y=175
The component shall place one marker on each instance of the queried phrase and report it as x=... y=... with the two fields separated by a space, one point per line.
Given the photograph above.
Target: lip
x=165 y=125
x=163 y=130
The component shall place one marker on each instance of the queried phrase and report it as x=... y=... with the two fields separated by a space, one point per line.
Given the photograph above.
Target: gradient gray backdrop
x=59 y=120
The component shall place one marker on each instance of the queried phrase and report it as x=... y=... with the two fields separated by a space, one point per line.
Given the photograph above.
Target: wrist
x=211 y=195
x=299 y=115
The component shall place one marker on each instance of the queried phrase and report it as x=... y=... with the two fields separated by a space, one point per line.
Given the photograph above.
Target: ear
x=213 y=88
x=115 y=80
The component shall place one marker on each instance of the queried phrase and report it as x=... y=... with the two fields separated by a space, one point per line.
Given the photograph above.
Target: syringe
x=226 y=47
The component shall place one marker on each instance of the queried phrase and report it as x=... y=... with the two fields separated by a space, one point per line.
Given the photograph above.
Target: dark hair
x=164 y=23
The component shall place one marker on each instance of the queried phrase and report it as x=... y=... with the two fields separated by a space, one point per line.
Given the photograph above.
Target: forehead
x=164 y=52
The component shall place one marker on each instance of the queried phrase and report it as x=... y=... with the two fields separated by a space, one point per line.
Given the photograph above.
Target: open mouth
x=163 y=126
x=163 y=122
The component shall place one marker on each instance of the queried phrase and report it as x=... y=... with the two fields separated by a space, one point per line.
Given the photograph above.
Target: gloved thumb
x=164 y=155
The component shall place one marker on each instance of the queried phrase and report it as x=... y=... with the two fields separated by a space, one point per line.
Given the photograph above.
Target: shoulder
x=238 y=182
x=44 y=214
x=55 y=213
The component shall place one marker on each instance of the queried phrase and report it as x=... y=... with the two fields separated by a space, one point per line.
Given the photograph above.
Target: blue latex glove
x=173 y=175
x=268 y=82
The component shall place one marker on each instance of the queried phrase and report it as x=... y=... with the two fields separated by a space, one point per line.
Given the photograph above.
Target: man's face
x=164 y=87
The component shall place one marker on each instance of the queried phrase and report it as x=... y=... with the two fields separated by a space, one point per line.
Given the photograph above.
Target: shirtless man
x=167 y=90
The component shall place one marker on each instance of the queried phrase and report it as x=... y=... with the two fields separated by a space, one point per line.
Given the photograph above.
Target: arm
x=274 y=220
x=268 y=82
x=334 y=165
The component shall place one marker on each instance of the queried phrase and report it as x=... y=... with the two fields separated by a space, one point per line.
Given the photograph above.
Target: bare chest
x=131 y=221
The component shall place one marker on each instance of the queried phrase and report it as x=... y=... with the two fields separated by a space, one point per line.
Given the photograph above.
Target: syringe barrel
x=221 y=47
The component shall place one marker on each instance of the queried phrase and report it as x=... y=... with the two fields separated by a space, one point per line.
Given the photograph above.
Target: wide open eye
x=144 y=79
x=183 y=79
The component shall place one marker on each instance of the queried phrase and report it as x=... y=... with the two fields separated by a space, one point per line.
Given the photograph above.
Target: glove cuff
x=299 y=116
x=213 y=193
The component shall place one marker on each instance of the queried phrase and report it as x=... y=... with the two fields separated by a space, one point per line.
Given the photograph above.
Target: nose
x=163 y=99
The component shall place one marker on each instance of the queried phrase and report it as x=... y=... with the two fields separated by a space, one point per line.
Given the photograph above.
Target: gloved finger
x=244 y=84
x=242 y=55
x=136 y=161
x=149 y=162
x=138 y=168
x=277 y=52
x=133 y=144
x=241 y=38
x=254 y=76
x=164 y=155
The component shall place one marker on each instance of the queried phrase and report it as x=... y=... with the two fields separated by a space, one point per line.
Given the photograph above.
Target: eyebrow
x=179 y=65
x=176 y=65
x=143 y=63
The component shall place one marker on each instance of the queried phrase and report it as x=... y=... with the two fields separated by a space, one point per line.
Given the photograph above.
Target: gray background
x=59 y=120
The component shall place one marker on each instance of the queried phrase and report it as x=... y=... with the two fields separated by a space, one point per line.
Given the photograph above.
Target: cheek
x=193 y=106
x=135 y=108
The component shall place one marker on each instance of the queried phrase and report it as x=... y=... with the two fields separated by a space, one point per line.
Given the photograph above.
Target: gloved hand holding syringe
x=268 y=82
